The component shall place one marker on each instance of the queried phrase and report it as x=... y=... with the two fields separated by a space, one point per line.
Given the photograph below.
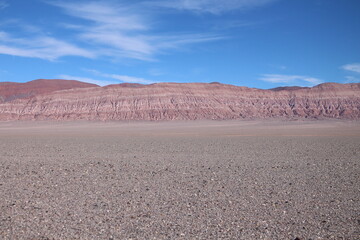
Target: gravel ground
x=195 y=180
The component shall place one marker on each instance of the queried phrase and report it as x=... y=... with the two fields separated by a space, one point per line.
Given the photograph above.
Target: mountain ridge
x=13 y=90
x=179 y=101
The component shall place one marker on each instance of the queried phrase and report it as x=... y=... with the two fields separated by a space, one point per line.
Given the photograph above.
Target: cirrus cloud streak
x=106 y=30
x=43 y=47
x=353 y=67
x=85 y=79
x=210 y=6
x=111 y=78
x=291 y=79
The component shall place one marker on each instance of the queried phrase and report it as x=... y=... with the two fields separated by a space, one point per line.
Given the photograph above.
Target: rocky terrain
x=180 y=180
x=73 y=100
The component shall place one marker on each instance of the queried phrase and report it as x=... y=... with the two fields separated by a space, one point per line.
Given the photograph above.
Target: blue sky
x=254 y=43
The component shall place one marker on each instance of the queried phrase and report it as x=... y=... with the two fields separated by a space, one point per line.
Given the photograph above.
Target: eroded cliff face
x=187 y=101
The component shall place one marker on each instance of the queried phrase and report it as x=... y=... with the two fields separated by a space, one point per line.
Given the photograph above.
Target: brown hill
x=10 y=90
x=187 y=101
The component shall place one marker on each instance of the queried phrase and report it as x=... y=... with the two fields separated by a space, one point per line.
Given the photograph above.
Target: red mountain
x=10 y=90
x=177 y=101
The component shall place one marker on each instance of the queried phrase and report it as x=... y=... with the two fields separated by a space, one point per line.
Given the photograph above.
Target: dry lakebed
x=180 y=180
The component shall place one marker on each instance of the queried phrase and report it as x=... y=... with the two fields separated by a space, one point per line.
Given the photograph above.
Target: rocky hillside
x=10 y=90
x=183 y=101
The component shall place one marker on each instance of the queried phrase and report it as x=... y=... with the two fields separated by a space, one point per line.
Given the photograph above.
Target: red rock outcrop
x=11 y=90
x=187 y=101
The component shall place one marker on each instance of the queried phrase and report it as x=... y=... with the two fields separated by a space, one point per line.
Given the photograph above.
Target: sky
x=254 y=43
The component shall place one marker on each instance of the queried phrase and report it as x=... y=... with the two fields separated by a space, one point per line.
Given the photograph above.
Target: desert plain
x=180 y=180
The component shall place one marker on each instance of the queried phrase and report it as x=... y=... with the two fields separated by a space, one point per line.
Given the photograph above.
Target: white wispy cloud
x=210 y=6
x=3 y=4
x=123 y=31
x=43 y=47
x=122 y=78
x=85 y=79
x=19 y=25
x=353 y=67
x=130 y=79
x=108 y=30
x=290 y=79
x=113 y=27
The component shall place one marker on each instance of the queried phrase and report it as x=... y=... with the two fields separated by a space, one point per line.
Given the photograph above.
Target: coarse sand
x=180 y=180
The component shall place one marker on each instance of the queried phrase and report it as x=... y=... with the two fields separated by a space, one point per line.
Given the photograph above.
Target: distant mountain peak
x=11 y=90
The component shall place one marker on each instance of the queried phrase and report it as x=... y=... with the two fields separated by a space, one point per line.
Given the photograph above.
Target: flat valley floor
x=180 y=180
